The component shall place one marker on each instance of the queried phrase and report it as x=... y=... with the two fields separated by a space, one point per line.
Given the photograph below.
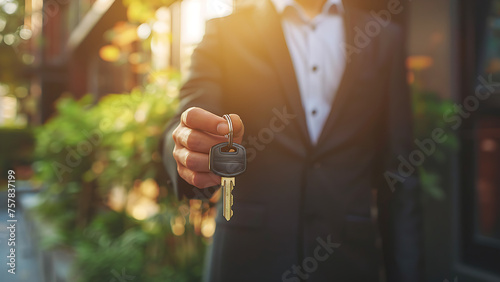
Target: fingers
x=199 y=131
x=196 y=140
x=193 y=167
x=198 y=179
x=197 y=118
x=200 y=119
x=194 y=161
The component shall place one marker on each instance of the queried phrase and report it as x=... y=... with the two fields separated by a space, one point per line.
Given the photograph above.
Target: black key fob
x=228 y=161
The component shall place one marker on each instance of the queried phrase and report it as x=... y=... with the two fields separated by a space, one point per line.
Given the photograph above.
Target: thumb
x=238 y=128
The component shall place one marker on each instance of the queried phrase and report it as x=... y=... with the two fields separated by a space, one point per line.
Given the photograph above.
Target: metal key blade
x=227 y=163
x=227 y=197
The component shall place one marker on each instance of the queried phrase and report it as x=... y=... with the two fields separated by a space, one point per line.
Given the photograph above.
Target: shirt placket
x=316 y=105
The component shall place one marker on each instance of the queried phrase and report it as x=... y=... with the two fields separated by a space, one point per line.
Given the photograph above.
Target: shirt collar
x=280 y=5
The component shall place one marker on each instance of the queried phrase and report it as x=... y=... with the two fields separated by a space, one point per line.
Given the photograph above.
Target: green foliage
x=10 y=25
x=103 y=248
x=86 y=150
x=17 y=149
x=132 y=126
x=136 y=251
x=428 y=110
x=58 y=141
x=143 y=11
x=112 y=143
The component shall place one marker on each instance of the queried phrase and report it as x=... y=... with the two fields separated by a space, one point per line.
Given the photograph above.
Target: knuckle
x=190 y=161
x=191 y=141
x=189 y=114
x=181 y=171
x=187 y=175
x=196 y=180
x=175 y=153
x=175 y=133
x=191 y=109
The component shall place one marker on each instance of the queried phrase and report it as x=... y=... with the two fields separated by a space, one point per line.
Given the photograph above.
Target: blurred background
x=87 y=86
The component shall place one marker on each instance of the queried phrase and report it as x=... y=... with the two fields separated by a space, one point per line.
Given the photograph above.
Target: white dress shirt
x=315 y=47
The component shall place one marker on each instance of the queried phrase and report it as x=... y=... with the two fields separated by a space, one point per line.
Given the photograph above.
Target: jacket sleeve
x=399 y=199
x=203 y=89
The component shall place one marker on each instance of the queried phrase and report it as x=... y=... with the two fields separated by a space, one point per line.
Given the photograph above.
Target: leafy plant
x=428 y=109
x=106 y=192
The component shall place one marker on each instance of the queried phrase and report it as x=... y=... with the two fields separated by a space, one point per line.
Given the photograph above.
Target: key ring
x=230 y=134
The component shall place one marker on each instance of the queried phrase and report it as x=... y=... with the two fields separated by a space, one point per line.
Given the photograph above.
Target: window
x=479 y=177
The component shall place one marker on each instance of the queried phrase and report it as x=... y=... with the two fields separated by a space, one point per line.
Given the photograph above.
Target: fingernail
x=222 y=128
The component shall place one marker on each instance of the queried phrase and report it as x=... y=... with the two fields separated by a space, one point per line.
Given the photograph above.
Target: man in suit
x=326 y=113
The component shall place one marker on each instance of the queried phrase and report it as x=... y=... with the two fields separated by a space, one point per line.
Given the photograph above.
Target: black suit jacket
x=297 y=201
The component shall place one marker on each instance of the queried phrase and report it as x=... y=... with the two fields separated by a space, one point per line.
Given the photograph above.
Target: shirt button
x=313 y=27
x=314 y=112
x=314 y=68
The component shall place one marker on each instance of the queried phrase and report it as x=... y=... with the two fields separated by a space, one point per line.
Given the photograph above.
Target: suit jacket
x=303 y=211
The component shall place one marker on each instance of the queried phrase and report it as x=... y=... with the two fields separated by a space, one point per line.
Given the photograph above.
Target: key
x=228 y=160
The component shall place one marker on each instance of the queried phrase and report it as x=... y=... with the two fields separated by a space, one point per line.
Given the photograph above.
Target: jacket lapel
x=268 y=24
x=352 y=68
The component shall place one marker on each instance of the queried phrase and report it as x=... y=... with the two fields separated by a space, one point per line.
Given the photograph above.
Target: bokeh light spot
x=419 y=62
x=25 y=33
x=21 y=92
x=109 y=53
x=143 y=31
x=10 y=8
x=208 y=227
x=28 y=59
x=9 y=39
x=3 y=23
